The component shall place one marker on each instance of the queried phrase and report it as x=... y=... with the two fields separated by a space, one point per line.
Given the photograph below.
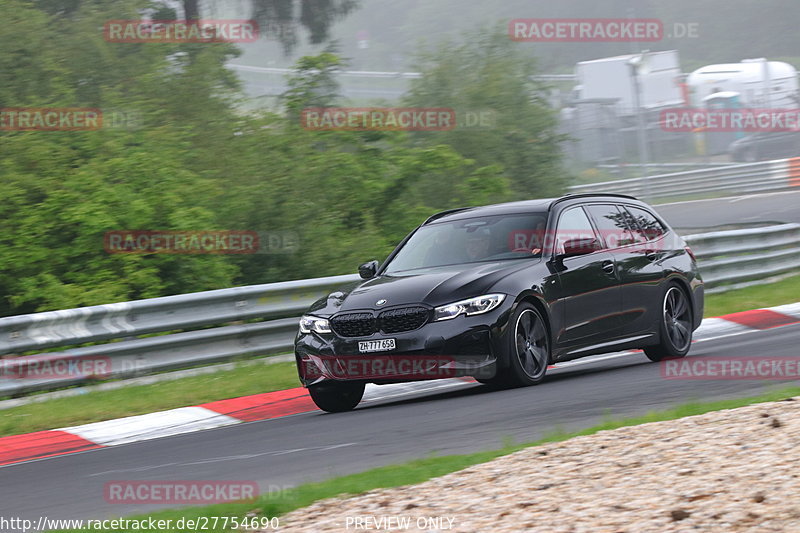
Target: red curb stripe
x=794 y=172
x=26 y=447
x=265 y=406
x=761 y=319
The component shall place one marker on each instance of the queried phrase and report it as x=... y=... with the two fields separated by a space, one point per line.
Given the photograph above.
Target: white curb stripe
x=151 y=426
x=716 y=327
x=190 y=419
x=375 y=393
x=788 y=309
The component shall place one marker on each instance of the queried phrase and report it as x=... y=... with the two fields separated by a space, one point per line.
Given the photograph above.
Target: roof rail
x=444 y=213
x=572 y=196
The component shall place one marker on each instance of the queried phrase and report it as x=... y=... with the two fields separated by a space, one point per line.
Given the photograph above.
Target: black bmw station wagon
x=501 y=292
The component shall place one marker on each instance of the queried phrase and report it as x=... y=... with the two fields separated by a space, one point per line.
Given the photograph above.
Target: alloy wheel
x=677 y=317
x=531 y=343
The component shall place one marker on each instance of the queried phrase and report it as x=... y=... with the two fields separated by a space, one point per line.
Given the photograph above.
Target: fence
x=766 y=176
x=636 y=169
x=220 y=330
x=744 y=257
x=131 y=356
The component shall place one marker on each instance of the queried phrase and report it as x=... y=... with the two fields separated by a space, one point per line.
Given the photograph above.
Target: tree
x=489 y=73
x=350 y=196
x=63 y=191
x=280 y=19
x=313 y=83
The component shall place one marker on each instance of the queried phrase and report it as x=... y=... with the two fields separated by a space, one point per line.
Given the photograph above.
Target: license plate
x=382 y=345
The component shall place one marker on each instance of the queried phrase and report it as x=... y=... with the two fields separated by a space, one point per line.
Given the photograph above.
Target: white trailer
x=760 y=83
x=612 y=77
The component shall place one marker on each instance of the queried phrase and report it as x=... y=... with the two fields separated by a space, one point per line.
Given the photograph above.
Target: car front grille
x=391 y=321
x=405 y=319
x=354 y=324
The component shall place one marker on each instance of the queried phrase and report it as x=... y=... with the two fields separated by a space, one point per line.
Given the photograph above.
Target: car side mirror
x=575 y=247
x=368 y=270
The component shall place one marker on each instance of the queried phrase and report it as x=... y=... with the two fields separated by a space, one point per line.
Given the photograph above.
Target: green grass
x=140 y=399
x=786 y=291
x=417 y=471
x=255 y=379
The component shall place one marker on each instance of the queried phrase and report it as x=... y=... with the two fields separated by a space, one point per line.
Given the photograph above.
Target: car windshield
x=473 y=240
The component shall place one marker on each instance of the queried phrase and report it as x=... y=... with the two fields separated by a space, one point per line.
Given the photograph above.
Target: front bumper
x=463 y=346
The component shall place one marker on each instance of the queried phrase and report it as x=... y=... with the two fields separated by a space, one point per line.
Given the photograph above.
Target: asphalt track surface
x=315 y=446
x=779 y=207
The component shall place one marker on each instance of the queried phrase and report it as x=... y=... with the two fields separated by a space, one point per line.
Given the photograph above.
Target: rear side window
x=612 y=225
x=645 y=224
x=573 y=224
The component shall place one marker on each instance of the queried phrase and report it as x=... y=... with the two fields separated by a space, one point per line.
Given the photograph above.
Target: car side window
x=646 y=225
x=573 y=224
x=630 y=223
x=611 y=224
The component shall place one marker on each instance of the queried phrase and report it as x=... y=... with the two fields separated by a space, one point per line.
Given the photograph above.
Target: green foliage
x=487 y=73
x=281 y=19
x=64 y=190
x=313 y=84
x=193 y=161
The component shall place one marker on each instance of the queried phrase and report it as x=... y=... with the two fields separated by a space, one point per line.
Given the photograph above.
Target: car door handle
x=608 y=267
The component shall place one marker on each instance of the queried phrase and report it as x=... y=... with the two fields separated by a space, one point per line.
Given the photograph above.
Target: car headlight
x=315 y=324
x=473 y=306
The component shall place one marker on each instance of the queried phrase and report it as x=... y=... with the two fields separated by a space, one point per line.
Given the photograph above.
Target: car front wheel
x=675 y=326
x=337 y=397
x=527 y=346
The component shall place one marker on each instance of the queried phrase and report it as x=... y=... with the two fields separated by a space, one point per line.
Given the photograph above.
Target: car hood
x=433 y=286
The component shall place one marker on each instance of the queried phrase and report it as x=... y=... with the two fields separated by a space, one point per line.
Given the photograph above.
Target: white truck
x=612 y=78
x=759 y=83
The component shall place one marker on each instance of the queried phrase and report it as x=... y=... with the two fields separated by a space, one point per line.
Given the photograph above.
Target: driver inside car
x=477 y=246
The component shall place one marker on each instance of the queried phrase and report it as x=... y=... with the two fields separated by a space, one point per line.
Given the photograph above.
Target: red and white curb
x=42 y=444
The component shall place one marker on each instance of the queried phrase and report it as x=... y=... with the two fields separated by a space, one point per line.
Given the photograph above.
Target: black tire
x=497 y=381
x=337 y=397
x=675 y=326
x=527 y=346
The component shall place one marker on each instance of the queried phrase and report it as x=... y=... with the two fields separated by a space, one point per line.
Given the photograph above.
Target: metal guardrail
x=220 y=331
x=745 y=178
x=379 y=74
x=746 y=257
x=156 y=315
x=632 y=169
x=124 y=322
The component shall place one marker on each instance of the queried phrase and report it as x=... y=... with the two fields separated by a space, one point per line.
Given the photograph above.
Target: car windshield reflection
x=471 y=241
